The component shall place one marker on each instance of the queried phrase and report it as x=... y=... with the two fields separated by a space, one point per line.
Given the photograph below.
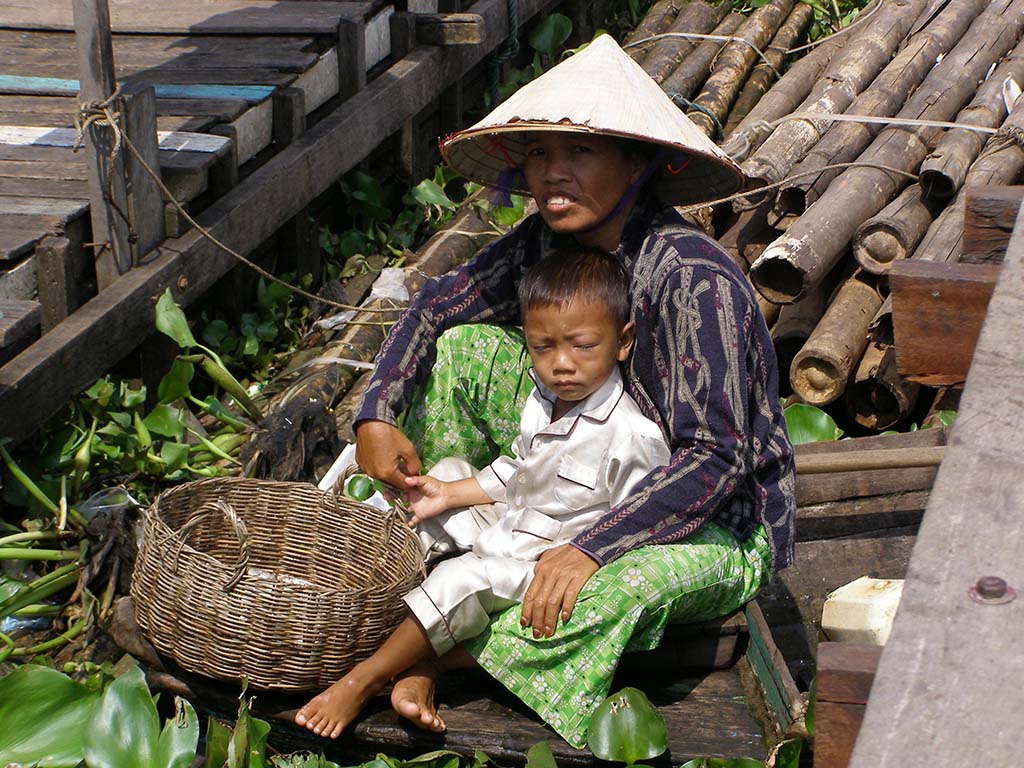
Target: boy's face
x=575 y=347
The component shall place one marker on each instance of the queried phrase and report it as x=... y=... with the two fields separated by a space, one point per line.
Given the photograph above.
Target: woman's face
x=577 y=179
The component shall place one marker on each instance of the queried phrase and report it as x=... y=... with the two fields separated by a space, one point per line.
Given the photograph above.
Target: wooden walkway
x=237 y=83
x=950 y=683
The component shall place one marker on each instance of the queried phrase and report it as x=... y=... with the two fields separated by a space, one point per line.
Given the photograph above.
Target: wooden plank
x=194 y=17
x=778 y=687
x=833 y=519
x=107 y=327
x=949 y=683
x=937 y=313
x=41 y=136
x=19 y=326
x=15 y=241
x=836 y=728
x=921 y=438
x=249 y=83
x=448 y=28
x=56 y=261
x=846 y=672
x=62 y=210
x=989 y=215
x=815 y=489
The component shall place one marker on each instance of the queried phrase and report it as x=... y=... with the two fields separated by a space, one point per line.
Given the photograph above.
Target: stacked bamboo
x=850 y=164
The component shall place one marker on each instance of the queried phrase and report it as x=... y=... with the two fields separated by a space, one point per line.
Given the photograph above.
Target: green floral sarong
x=470 y=408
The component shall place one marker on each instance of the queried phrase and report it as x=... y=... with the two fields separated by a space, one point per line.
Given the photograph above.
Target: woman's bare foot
x=327 y=714
x=413 y=696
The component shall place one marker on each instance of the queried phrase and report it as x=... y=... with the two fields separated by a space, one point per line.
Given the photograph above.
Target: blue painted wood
x=56 y=85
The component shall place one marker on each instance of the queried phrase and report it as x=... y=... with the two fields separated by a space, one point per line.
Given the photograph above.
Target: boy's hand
x=428 y=497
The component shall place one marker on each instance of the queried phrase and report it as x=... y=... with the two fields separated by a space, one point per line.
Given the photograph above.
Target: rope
x=100 y=113
x=760 y=190
x=508 y=51
x=678 y=98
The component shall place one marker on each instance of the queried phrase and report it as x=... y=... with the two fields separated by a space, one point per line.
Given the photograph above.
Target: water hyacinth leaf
x=723 y=762
x=540 y=756
x=166 y=421
x=627 y=728
x=302 y=760
x=807 y=424
x=786 y=754
x=171 y=321
x=176 y=747
x=44 y=716
x=174 y=455
x=809 y=714
x=124 y=730
x=549 y=34
x=248 y=747
x=218 y=739
x=175 y=382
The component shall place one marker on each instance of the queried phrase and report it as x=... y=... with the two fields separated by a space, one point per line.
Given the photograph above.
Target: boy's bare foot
x=413 y=697
x=328 y=713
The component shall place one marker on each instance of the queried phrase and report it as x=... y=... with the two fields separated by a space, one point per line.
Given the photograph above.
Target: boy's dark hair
x=570 y=274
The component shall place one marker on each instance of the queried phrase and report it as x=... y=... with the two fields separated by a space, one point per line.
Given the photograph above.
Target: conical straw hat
x=598 y=90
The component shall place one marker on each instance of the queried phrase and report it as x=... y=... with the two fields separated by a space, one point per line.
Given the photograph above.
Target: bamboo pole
x=824 y=364
x=783 y=98
x=657 y=21
x=862 y=461
x=844 y=141
x=848 y=74
x=1000 y=162
x=693 y=70
x=765 y=73
x=794 y=326
x=734 y=62
x=664 y=55
x=943 y=172
x=893 y=233
x=811 y=247
x=878 y=397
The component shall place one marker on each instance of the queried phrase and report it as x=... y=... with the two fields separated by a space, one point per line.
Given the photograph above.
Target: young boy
x=583 y=445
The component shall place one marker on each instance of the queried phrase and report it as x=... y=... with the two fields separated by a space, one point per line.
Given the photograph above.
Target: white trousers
x=457 y=598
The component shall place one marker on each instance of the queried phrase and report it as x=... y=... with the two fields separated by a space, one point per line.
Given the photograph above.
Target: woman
x=605 y=154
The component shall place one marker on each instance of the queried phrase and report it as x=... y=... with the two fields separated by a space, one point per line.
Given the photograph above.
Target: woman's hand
x=383 y=452
x=558 y=577
x=428 y=497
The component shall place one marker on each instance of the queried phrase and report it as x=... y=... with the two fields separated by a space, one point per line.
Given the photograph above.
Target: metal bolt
x=991 y=587
x=992 y=590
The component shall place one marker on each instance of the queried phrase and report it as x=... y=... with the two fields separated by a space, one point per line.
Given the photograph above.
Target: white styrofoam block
x=862 y=611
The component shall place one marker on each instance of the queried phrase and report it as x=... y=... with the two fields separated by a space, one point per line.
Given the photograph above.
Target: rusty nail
x=992 y=590
x=182 y=283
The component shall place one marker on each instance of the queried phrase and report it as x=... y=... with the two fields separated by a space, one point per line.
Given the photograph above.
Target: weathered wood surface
x=894 y=232
x=19 y=326
x=818 y=239
x=846 y=671
x=937 y=313
x=706 y=714
x=664 y=55
x=989 y=216
x=92 y=339
x=449 y=28
x=693 y=70
x=835 y=519
x=195 y=17
x=878 y=397
x=948 y=690
x=656 y=21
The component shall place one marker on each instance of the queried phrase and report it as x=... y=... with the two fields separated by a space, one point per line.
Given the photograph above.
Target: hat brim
x=600 y=90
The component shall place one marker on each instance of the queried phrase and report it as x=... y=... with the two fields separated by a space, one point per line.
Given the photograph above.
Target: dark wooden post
x=125 y=206
x=297 y=239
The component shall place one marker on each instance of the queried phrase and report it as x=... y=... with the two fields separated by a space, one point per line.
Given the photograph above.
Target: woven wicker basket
x=280 y=583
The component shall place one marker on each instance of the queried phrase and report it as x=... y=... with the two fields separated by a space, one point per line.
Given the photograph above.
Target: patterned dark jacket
x=703 y=367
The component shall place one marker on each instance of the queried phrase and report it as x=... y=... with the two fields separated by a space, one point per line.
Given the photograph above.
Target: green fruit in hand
x=359 y=487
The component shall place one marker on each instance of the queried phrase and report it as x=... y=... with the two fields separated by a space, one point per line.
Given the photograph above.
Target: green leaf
x=549 y=35
x=132 y=398
x=175 y=383
x=787 y=754
x=174 y=455
x=428 y=192
x=179 y=739
x=507 y=215
x=215 y=333
x=249 y=741
x=44 y=716
x=626 y=728
x=540 y=756
x=218 y=739
x=807 y=424
x=166 y=420
x=124 y=730
x=723 y=762
x=170 y=320
x=809 y=714
x=359 y=487
x=101 y=392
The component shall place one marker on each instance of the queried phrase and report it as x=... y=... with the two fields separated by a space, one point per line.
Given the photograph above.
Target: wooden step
x=19 y=326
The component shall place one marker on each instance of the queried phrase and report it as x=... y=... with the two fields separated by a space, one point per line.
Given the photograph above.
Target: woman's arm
x=483 y=290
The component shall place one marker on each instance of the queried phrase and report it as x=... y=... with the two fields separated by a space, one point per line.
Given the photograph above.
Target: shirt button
x=522 y=479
